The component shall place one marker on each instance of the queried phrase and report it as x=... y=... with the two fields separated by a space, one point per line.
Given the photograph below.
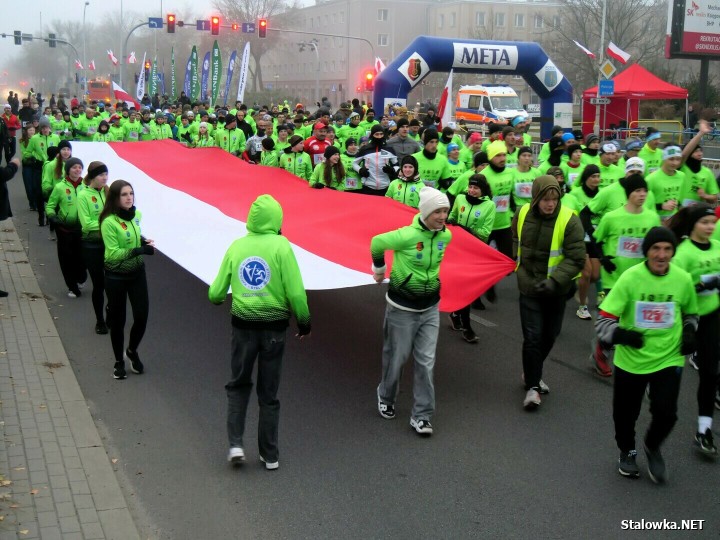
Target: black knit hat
x=72 y=162
x=429 y=135
x=331 y=151
x=658 y=234
x=698 y=212
x=633 y=182
x=64 y=144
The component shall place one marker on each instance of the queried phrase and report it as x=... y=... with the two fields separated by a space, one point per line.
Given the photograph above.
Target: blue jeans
x=265 y=346
x=406 y=332
x=541 y=319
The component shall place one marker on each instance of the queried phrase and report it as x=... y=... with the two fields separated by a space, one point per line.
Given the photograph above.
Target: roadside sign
x=203 y=25
x=606 y=88
x=607 y=69
x=248 y=27
x=600 y=101
x=155 y=22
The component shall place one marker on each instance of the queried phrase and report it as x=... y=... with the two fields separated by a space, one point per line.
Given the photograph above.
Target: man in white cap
x=412 y=318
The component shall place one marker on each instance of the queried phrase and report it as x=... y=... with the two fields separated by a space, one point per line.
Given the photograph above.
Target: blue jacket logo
x=254 y=273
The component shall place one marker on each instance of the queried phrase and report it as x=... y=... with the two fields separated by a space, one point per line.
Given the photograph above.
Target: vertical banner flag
x=187 y=83
x=445 y=104
x=161 y=83
x=204 y=77
x=215 y=70
x=173 y=79
x=153 y=86
x=229 y=76
x=194 y=79
x=243 y=72
x=141 y=80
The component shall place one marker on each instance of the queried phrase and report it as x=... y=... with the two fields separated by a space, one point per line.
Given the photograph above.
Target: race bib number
x=318 y=158
x=571 y=178
x=523 y=190
x=429 y=183
x=91 y=130
x=350 y=183
x=511 y=165
x=689 y=202
x=654 y=315
x=704 y=278
x=502 y=203
x=629 y=247
x=133 y=135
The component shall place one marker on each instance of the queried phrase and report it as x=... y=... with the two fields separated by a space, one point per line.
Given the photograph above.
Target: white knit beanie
x=430 y=200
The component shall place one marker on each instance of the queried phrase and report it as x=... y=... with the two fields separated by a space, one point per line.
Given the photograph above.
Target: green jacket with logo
x=90 y=203
x=63 y=203
x=121 y=237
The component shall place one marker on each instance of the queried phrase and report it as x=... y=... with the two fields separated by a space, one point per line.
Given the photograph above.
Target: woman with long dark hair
x=125 y=273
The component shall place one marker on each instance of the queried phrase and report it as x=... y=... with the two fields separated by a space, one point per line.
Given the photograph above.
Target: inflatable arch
x=427 y=54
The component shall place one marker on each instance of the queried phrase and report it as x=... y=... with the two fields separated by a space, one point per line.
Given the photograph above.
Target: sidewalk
x=56 y=480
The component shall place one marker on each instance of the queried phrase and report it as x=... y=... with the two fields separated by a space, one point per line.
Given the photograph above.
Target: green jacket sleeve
x=218 y=290
x=294 y=288
x=53 y=202
x=47 y=178
x=488 y=219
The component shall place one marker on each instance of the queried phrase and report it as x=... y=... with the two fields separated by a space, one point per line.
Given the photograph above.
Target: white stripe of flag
x=617 y=53
x=585 y=49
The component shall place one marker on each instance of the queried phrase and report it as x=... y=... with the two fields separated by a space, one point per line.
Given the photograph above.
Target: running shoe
x=542 y=387
x=135 y=364
x=469 y=336
x=421 y=427
x=532 y=400
x=627 y=464
x=656 y=466
x=705 y=444
x=236 y=455
x=270 y=465
x=692 y=360
x=583 y=313
x=101 y=328
x=386 y=410
x=119 y=371
x=74 y=294
x=455 y=322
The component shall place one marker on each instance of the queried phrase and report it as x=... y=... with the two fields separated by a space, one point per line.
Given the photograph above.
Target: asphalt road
x=491 y=470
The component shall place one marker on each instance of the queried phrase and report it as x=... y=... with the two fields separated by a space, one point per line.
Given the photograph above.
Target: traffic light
x=214 y=25
x=262 y=28
x=18 y=37
x=171 y=23
x=51 y=40
x=235 y=26
x=369 y=80
x=147 y=64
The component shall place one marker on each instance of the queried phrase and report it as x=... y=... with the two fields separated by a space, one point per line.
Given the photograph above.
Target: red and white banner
x=78 y=64
x=193 y=217
x=131 y=58
x=585 y=50
x=91 y=65
x=112 y=58
x=617 y=53
x=379 y=65
x=445 y=103
x=122 y=95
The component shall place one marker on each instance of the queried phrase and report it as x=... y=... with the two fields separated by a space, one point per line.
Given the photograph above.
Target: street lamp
x=314 y=44
x=85 y=51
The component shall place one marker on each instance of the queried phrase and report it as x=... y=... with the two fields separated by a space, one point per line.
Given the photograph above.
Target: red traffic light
x=147 y=65
x=235 y=26
x=369 y=80
x=171 y=23
x=262 y=28
x=215 y=25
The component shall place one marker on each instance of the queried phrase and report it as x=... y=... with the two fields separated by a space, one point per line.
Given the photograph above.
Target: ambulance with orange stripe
x=487 y=103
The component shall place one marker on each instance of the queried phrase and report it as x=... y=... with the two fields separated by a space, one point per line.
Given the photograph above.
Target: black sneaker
x=469 y=336
x=101 y=328
x=705 y=444
x=656 y=466
x=627 y=465
x=491 y=295
x=119 y=371
x=421 y=427
x=135 y=364
x=386 y=411
x=455 y=322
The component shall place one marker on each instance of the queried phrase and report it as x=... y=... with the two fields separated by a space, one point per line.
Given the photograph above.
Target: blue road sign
x=203 y=25
x=155 y=22
x=607 y=88
x=248 y=27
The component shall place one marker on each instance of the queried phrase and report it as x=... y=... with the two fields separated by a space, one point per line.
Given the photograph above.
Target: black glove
x=53 y=220
x=546 y=287
x=187 y=136
x=631 y=338
x=689 y=341
x=390 y=171
x=303 y=329
x=445 y=183
x=147 y=249
x=709 y=284
x=364 y=172
x=317 y=186
x=607 y=264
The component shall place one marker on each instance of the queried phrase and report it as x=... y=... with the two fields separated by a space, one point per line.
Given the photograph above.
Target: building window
x=312 y=23
x=382 y=40
x=327 y=20
x=539 y=22
x=556 y=21
x=452 y=20
x=479 y=18
x=519 y=20
x=441 y=20
x=382 y=14
x=499 y=19
x=342 y=17
x=333 y=66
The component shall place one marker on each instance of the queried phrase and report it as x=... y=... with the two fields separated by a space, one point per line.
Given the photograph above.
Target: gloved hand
x=445 y=183
x=317 y=186
x=631 y=338
x=53 y=220
x=186 y=136
x=147 y=249
x=689 y=340
x=390 y=171
x=546 y=287
x=364 y=172
x=303 y=330
x=709 y=284
x=607 y=264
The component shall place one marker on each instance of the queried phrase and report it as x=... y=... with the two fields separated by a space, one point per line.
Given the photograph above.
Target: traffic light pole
x=123 y=52
x=372 y=49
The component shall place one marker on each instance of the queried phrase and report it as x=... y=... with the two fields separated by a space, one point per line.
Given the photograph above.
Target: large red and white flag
x=193 y=222
x=585 y=49
x=617 y=53
x=122 y=95
x=78 y=64
x=91 y=65
x=112 y=57
x=131 y=58
x=445 y=104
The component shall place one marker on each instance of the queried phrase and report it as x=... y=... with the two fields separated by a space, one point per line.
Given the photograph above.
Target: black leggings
x=93 y=254
x=70 y=257
x=118 y=291
x=503 y=241
x=36 y=178
x=708 y=350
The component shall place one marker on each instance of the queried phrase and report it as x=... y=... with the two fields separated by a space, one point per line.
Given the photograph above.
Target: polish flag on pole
x=91 y=65
x=585 y=49
x=131 y=58
x=379 y=65
x=78 y=64
x=617 y=53
x=445 y=105
x=122 y=95
x=112 y=58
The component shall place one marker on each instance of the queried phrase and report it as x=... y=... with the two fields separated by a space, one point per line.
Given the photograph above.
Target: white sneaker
x=422 y=427
x=532 y=400
x=72 y=294
x=544 y=388
x=236 y=455
x=583 y=313
x=270 y=465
